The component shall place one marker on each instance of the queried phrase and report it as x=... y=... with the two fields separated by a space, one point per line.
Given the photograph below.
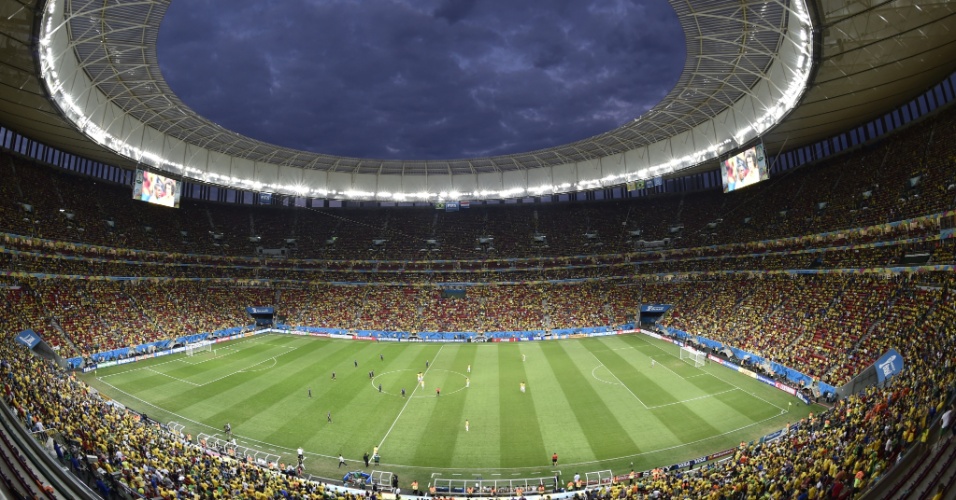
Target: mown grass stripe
x=481 y=446
x=439 y=447
x=404 y=427
x=205 y=366
x=227 y=389
x=272 y=387
x=646 y=382
x=689 y=425
x=669 y=356
x=561 y=434
x=520 y=438
x=604 y=433
x=561 y=388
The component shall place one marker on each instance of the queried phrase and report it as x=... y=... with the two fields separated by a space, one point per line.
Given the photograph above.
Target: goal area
x=692 y=356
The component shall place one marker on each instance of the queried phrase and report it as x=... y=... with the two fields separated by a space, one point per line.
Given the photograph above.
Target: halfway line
x=409 y=399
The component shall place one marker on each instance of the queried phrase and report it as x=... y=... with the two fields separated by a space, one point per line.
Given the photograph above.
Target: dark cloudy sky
x=421 y=79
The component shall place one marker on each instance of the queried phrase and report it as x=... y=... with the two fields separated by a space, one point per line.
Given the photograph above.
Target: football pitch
x=616 y=402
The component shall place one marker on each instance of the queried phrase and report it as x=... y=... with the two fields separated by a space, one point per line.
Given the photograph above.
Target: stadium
x=744 y=292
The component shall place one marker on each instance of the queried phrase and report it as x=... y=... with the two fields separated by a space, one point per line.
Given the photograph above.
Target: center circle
x=392 y=382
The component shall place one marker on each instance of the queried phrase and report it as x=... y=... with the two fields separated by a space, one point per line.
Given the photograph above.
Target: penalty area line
x=172 y=377
x=705 y=396
x=618 y=380
x=708 y=372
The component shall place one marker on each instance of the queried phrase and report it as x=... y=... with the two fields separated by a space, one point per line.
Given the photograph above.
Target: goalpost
x=690 y=355
x=192 y=350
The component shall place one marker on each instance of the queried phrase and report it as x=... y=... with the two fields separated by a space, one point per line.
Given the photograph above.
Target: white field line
x=240 y=439
x=182 y=359
x=409 y=399
x=246 y=369
x=448 y=469
x=605 y=460
x=249 y=368
x=721 y=379
x=599 y=379
x=705 y=396
x=618 y=380
x=172 y=377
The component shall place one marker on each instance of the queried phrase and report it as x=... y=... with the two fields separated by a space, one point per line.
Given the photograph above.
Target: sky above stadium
x=420 y=79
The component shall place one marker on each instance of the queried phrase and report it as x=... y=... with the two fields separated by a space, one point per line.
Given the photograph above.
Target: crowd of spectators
x=21 y=309
x=83 y=262
x=74 y=246
x=85 y=317
x=878 y=184
x=827 y=326
x=114 y=448
x=838 y=453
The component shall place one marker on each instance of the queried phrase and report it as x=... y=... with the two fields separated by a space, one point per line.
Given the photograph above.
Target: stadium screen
x=156 y=189
x=744 y=169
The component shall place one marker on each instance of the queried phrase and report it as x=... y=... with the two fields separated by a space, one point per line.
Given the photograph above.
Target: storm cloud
x=423 y=79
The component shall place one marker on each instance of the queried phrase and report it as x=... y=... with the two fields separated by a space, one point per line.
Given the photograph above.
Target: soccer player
x=653 y=362
x=426 y=363
x=342 y=461
x=554 y=459
x=467 y=382
x=522 y=387
x=329 y=417
x=310 y=392
x=381 y=357
x=523 y=358
x=946 y=425
x=356 y=363
x=469 y=368
x=333 y=375
x=438 y=391
x=379 y=387
x=466 y=426
x=403 y=392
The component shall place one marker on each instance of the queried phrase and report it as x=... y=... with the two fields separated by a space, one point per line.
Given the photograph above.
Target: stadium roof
x=83 y=76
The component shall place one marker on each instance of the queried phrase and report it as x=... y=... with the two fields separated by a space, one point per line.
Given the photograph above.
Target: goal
x=692 y=356
x=192 y=350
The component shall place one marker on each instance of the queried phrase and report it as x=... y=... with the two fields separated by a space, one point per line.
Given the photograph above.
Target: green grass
x=599 y=403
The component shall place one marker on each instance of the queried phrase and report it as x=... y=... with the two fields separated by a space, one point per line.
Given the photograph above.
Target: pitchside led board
x=744 y=169
x=156 y=189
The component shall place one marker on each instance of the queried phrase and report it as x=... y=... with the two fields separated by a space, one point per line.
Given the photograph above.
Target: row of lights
x=772 y=115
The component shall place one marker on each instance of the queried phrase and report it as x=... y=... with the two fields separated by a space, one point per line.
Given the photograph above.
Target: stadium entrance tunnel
x=650 y=313
x=263 y=316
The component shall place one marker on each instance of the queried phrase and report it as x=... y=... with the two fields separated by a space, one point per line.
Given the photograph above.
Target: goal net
x=692 y=356
x=192 y=350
